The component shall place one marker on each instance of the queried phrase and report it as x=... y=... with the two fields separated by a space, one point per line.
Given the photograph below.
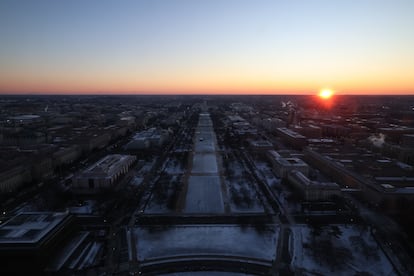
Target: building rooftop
x=29 y=227
x=108 y=165
x=235 y=118
x=313 y=184
x=25 y=117
x=291 y=161
x=274 y=154
x=149 y=133
x=261 y=143
x=291 y=133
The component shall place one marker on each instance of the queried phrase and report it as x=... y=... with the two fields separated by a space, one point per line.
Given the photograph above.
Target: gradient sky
x=207 y=46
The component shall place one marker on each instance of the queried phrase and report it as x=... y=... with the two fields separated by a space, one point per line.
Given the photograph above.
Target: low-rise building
x=67 y=155
x=260 y=145
x=43 y=168
x=407 y=141
x=271 y=124
x=283 y=165
x=91 y=140
x=25 y=119
x=309 y=131
x=272 y=154
x=29 y=239
x=23 y=137
x=335 y=130
x=127 y=121
x=313 y=190
x=14 y=177
x=326 y=165
x=291 y=137
x=148 y=138
x=103 y=174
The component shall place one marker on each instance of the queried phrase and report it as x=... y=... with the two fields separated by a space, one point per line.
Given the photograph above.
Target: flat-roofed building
x=103 y=174
x=235 y=119
x=271 y=124
x=244 y=128
x=67 y=155
x=260 y=145
x=309 y=131
x=291 y=137
x=14 y=177
x=407 y=141
x=272 y=154
x=148 y=138
x=23 y=137
x=29 y=239
x=313 y=190
x=283 y=165
x=335 y=130
x=25 y=119
x=395 y=133
x=128 y=121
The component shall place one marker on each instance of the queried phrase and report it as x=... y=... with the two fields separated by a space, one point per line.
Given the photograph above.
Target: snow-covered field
x=338 y=250
x=204 y=163
x=155 y=208
x=242 y=193
x=244 y=199
x=174 y=167
x=204 y=145
x=204 y=195
x=206 y=133
x=264 y=171
x=204 y=139
x=158 y=241
x=163 y=198
x=204 y=187
x=205 y=120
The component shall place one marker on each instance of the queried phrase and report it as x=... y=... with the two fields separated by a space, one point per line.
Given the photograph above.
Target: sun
x=326 y=94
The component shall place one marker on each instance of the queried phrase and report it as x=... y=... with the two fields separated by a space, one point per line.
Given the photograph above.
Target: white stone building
x=103 y=174
x=313 y=190
x=283 y=165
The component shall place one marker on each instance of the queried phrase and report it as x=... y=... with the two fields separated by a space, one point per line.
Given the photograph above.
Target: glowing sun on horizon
x=325 y=94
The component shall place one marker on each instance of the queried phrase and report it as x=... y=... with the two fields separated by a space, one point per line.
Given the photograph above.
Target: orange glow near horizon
x=204 y=80
x=196 y=84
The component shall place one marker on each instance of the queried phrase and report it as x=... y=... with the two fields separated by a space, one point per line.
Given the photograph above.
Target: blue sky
x=208 y=46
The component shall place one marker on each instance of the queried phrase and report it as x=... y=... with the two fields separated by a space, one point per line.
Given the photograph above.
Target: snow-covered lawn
x=204 y=163
x=204 y=189
x=244 y=199
x=173 y=166
x=242 y=193
x=205 y=145
x=204 y=138
x=264 y=171
x=164 y=195
x=158 y=241
x=155 y=208
x=338 y=250
x=204 y=195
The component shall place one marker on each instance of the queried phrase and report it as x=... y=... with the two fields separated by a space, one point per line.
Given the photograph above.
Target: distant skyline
x=206 y=47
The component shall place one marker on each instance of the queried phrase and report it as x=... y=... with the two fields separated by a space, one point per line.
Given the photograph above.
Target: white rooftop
x=29 y=227
x=108 y=165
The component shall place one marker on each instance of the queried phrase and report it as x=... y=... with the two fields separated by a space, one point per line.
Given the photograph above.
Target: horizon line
x=193 y=94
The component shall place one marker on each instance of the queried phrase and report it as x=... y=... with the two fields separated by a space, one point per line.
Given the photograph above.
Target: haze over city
x=206 y=47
